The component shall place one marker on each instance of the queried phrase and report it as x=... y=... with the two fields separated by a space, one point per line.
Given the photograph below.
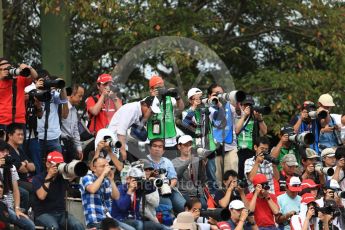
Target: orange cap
x=155 y=80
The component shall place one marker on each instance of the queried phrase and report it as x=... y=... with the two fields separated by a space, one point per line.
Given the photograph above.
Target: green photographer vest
x=155 y=123
x=209 y=141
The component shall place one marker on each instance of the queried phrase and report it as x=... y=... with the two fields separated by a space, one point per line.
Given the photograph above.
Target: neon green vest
x=209 y=136
x=170 y=131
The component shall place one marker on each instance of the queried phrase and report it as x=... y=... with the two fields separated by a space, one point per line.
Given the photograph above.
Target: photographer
x=193 y=205
x=249 y=127
x=285 y=146
x=309 y=160
x=289 y=166
x=328 y=159
x=133 y=116
x=240 y=219
x=155 y=126
x=170 y=195
x=223 y=116
x=263 y=203
x=126 y=208
x=339 y=174
x=196 y=122
x=12 y=102
x=261 y=163
x=102 y=107
x=69 y=127
x=49 y=201
x=98 y=189
x=191 y=177
x=48 y=125
x=232 y=189
x=289 y=203
x=11 y=196
x=328 y=128
x=306 y=220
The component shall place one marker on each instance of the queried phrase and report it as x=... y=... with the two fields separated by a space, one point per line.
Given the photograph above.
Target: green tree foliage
x=282 y=51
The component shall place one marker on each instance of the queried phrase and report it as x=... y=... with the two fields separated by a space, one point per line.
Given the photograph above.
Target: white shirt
x=126 y=116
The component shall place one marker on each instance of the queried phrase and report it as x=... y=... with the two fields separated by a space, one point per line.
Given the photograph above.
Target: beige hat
x=329 y=152
x=184 y=220
x=326 y=100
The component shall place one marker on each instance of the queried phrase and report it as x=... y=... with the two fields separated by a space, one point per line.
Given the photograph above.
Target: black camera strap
x=14 y=99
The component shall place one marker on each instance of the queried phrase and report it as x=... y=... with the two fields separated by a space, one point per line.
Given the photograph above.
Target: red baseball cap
x=55 y=157
x=155 y=80
x=259 y=179
x=309 y=183
x=104 y=78
x=307 y=198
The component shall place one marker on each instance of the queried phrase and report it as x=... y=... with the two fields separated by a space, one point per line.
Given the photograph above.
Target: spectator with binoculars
x=10 y=194
x=232 y=189
x=263 y=203
x=12 y=100
x=249 y=127
x=49 y=201
x=261 y=163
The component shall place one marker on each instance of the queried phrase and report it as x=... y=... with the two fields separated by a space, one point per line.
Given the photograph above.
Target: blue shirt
x=166 y=164
x=54 y=130
x=288 y=204
x=124 y=206
x=98 y=204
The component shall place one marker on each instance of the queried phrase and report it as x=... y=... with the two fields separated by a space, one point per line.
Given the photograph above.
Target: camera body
x=112 y=143
x=41 y=95
x=163 y=92
x=165 y=189
x=242 y=183
x=9 y=161
x=269 y=158
x=264 y=110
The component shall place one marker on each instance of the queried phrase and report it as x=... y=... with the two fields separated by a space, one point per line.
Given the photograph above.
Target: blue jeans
x=57 y=221
x=21 y=222
x=211 y=175
x=34 y=152
x=51 y=145
x=143 y=225
x=175 y=200
x=24 y=198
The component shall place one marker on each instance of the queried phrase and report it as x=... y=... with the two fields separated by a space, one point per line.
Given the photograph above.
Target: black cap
x=248 y=100
x=287 y=129
x=4 y=145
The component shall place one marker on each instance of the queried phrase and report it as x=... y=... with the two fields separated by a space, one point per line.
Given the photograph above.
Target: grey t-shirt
x=190 y=177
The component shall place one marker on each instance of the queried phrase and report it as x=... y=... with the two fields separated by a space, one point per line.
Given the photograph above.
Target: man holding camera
x=285 y=146
x=69 y=127
x=126 y=208
x=263 y=203
x=232 y=189
x=249 y=127
x=223 y=116
x=97 y=192
x=328 y=128
x=261 y=163
x=170 y=195
x=289 y=169
x=196 y=122
x=10 y=191
x=339 y=169
x=155 y=126
x=49 y=204
x=190 y=171
x=12 y=84
x=289 y=202
x=48 y=122
x=309 y=163
x=103 y=106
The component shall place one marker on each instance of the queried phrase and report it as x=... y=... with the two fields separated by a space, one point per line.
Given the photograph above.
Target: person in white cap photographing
x=328 y=136
x=133 y=115
x=196 y=122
